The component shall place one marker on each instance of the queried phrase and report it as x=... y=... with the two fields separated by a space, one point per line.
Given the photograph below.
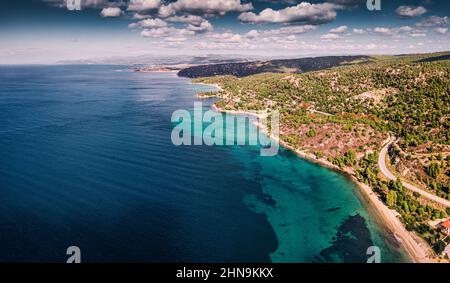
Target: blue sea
x=86 y=159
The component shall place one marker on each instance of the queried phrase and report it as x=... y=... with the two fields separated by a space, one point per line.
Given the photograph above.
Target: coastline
x=219 y=88
x=416 y=248
x=157 y=71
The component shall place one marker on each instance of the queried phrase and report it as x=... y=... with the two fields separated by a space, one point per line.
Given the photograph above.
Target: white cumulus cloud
x=193 y=22
x=410 y=11
x=400 y=31
x=152 y=23
x=111 y=12
x=441 y=30
x=206 y=7
x=340 y=29
x=143 y=5
x=166 y=32
x=227 y=37
x=329 y=36
x=434 y=21
x=304 y=12
x=98 y=4
x=359 y=31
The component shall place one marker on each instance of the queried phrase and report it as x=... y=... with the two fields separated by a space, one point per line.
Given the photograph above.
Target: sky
x=49 y=31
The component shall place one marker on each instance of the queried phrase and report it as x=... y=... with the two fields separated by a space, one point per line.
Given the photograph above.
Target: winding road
x=391 y=176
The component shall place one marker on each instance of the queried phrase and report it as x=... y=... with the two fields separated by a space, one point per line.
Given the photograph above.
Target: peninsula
x=384 y=121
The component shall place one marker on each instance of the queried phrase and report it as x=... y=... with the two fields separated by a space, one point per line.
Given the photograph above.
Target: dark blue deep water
x=86 y=160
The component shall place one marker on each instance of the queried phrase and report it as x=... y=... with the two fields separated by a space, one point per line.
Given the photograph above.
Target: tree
x=350 y=158
x=391 y=199
x=311 y=133
x=433 y=170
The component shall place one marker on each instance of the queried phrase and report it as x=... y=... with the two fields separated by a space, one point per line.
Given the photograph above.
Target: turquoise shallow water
x=317 y=214
x=87 y=160
x=310 y=207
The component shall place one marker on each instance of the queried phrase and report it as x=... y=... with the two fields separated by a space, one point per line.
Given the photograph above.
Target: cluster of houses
x=446 y=226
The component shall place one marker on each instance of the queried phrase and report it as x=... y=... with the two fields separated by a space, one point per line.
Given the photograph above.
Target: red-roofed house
x=446 y=226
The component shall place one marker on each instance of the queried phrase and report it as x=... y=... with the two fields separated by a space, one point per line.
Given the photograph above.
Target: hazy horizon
x=134 y=60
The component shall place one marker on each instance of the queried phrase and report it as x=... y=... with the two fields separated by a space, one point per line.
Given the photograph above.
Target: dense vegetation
x=274 y=66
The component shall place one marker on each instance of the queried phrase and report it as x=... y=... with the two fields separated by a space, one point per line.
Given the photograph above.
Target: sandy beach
x=417 y=249
x=219 y=88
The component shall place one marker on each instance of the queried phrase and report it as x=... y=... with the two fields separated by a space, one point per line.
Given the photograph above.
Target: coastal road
x=386 y=172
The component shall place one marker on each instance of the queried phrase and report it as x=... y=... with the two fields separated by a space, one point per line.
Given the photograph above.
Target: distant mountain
x=435 y=58
x=242 y=69
x=169 y=60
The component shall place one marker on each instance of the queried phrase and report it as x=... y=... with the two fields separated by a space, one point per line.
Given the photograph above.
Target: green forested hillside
x=274 y=66
x=398 y=94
